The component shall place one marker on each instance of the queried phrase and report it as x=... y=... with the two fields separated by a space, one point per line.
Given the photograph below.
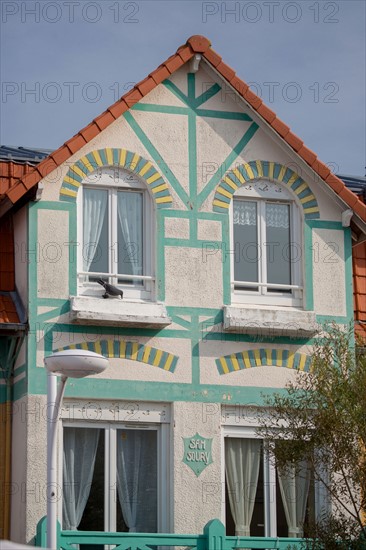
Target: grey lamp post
x=76 y=363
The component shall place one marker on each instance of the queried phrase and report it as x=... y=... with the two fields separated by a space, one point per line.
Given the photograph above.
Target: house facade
x=232 y=244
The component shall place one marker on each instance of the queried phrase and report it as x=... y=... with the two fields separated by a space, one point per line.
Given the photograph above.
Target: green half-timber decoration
x=263 y=169
x=130 y=350
x=263 y=357
x=116 y=158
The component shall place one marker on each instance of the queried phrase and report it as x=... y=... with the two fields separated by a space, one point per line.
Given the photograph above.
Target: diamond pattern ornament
x=197 y=453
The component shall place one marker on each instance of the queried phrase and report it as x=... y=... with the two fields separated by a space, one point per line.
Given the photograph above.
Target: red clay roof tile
x=104 y=120
x=295 y=142
x=60 y=155
x=227 y=72
x=174 y=63
x=199 y=43
x=266 y=113
x=146 y=85
x=90 y=131
x=185 y=53
x=8 y=312
x=307 y=154
x=118 y=109
x=132 y=97
x=76 y=142
x=160 y=74
x=213 y=57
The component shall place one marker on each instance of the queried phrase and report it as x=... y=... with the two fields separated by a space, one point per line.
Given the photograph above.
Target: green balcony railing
x=212 y=538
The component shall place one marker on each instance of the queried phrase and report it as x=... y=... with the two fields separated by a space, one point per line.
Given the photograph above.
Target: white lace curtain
x=277 y=215
x=95 y=205
x=242 y=461
x=130 y=220
x=245 y=213
x=294 y=486
x=80 y=448
x=137 y=479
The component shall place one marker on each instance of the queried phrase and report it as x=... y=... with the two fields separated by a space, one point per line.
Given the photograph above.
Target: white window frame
x=263 y=192
x=110 y=477
x=269 y=480
x=116 y=179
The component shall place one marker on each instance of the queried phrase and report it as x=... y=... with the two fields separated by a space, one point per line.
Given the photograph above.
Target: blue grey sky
x=65 y=62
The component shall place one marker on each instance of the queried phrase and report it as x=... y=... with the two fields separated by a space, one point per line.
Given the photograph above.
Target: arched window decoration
x=116 y=229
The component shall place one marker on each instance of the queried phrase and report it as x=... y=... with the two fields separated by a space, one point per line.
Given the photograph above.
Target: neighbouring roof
x=194 y=45
x=12 y=314
x=16 y=162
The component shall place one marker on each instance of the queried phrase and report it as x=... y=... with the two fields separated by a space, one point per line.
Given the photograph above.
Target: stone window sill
x=88 y=310
x=266 y=321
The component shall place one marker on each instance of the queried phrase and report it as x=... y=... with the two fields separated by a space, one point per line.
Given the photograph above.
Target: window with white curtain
x=261 y=500
x=113 y=479
x=116 y=233
x=266 y=246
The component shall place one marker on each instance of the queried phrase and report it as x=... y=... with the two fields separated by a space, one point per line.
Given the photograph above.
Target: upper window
x=117 y=234
x=266 y=237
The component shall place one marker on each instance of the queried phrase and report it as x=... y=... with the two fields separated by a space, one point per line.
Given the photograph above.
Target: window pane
x=83 y=479
x=243 y=464
x=245 y=242
x=130 y=232
x=137 y=479
x=95 y=230
x=278 y=244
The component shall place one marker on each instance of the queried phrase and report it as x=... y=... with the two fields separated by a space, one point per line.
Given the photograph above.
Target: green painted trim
x=174 y=110
x=163 y=109
x=208 y=94
x=195 y=350
x=227 y=162
x=160 y=256
x=339 y=319
x=157 y=158
x=51 y=302
x=189 y=243
x=191 y=87
x=160 y=391
x=182 y=322
x=309 y=282
x=177 y=92
x=325 y=224
x=192 y=162
x=20 y=389
x=32 y=299
x=227 y=115
x=56 y=312
x=54 y=205
x=348 y=272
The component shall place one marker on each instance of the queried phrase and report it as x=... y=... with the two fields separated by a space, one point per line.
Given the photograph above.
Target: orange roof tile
x=359 y=281
x=194 y=45
x=8 y=311
x=7 y=279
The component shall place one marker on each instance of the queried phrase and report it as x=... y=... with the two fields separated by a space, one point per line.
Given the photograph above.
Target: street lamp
x=72 y=363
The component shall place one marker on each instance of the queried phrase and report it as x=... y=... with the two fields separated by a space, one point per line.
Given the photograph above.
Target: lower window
x=261 y=500
x=111 y=479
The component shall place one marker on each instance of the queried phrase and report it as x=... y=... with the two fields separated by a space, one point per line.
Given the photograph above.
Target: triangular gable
x=194 y=45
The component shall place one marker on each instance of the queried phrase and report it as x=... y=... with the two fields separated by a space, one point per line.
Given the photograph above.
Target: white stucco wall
x=329 y=272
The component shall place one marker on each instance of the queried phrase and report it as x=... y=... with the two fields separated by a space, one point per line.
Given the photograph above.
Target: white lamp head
x=76 y=363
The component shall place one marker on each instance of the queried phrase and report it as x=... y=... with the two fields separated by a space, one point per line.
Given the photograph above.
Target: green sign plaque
x=197 y=453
